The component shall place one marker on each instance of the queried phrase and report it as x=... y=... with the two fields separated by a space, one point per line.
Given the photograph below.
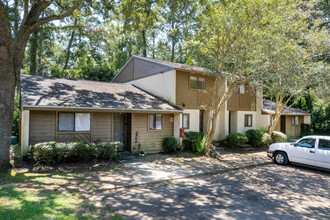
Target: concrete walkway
x=139 y=172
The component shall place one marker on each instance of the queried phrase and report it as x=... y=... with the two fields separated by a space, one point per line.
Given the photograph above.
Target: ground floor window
x=185 y=121
x=294 y=120
x=155 y=122
x=74 y=121
x=248 y=121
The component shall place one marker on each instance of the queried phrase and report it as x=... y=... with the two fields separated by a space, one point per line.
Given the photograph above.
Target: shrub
x=266 y=139
x=54 y=153
x=306 y=129
x=190 y=139
x=200 y=145
x=278 y=137
x=235 y=139
x=108 y=150
x=258 y=138
x=170 y=144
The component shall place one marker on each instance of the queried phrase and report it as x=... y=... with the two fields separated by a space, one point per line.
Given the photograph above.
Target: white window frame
x=246 y=121
x=74 y=122
x=183 y=115
x=155 y=118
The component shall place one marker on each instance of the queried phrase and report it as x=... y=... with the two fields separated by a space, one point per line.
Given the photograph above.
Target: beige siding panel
x=42 y=126
x=192 y=98
x=151 y=141
x=241 y=102
x=102 y=126
x=293 y=131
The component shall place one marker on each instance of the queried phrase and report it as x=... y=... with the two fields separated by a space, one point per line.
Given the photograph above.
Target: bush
x=108 y=150
x=235 y=139
x=258 y=138
x=170 y=144
x=278 y=137
x=190 y=138
x=200 y=145
x=306 y=129
x=53 y=153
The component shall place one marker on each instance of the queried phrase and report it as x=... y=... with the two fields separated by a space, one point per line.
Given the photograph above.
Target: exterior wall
x=241 y=121
x=187 y=98
x=262 y=121
x=102 y=126
x=42 y=126
x=162 y=85
x=242 y=102
x=193 y=119
x=25 y=130
x=151 y=141
x=222 y=129
x=293 y=131
x=307 y=119
x=233 y=122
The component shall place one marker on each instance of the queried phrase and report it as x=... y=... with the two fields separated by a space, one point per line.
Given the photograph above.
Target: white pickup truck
x=309 y=150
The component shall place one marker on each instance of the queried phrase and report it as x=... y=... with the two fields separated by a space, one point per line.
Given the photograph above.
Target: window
x=307 y=142
x=248 y=121
x=185 y=121
x=294 y=120
x=197 y=82
x=324 y=144
x=241 y=89
x=155 y=122
x=74 y=122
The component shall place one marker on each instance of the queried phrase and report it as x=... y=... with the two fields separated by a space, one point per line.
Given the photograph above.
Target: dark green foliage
x=278 y=137
x=195 y=141
x=16 y=116
x=258 y=138
x=306 y=129
x=54 y=153
x=170 y=144
x=235 y=139
x=108 y=150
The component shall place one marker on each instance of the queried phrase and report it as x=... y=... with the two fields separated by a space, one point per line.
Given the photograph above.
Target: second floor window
x=197 y=82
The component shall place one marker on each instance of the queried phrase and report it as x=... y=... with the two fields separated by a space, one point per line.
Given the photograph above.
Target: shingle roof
x=39 y=91
x=269 y=108
x=179 y=66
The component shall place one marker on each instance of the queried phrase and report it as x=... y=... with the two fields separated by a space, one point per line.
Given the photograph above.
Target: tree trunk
x=41 y=38
x=7 y=90
x=144 y=43
x=33 y=52
x=173 y=46
x=68 y=51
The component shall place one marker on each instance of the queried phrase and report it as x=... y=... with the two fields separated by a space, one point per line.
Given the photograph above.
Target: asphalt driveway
x=264 y=192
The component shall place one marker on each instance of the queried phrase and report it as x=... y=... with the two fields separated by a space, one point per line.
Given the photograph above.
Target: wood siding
x=242 y=102
x=192 y=98
x=102 y=126
x=292 y=131
x=42 y=126
x=151 y=141
x=138 y=67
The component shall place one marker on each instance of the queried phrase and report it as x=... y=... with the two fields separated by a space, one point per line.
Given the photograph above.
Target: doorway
x=122 y=129
x=283 y=124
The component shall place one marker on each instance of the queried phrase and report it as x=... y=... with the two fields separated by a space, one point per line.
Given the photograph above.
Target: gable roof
x=43 y=92
x=268 y=107
x=139 y=67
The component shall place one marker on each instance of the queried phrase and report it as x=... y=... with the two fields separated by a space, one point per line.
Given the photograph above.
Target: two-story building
x=147 y=100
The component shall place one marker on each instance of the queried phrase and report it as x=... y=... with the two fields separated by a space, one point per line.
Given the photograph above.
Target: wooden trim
x=91 y=128
x=111 y=126
x=155 y=117
x=188 y=121
x=132 y=133
x=246 y=122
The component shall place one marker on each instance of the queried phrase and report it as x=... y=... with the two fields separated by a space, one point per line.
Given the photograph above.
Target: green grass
x=48 y=196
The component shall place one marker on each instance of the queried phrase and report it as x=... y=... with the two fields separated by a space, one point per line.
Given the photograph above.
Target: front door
x=323 y=153
x=303 y=151
x=119 y=127
x=283 y=121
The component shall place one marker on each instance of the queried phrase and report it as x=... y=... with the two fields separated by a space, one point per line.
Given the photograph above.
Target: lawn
x=27 y=194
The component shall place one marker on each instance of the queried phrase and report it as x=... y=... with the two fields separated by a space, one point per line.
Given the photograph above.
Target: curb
x=120 y=188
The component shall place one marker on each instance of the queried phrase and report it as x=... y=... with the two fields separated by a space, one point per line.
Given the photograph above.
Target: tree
x=178 y=16
x=12 y=49
x=225 y=44
x=289 y=63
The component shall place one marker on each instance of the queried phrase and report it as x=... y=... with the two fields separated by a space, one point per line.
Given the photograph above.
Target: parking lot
x=264 y=192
